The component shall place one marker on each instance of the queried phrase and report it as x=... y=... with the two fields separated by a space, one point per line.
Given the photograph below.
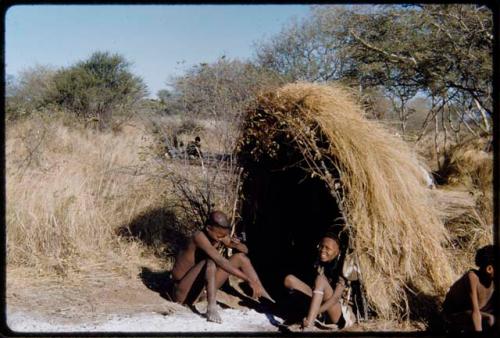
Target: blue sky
x=160 y=40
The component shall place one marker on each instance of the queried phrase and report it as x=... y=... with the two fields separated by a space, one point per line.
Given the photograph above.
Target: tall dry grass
x=68 y=189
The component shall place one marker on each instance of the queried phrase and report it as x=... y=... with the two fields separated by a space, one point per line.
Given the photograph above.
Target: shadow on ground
x=426 y=308
x=159 y=282
x=159 y=229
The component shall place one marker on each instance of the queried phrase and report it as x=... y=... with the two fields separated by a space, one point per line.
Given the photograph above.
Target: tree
x=164 y=95
x=10 y=85
x=221 y=89
x=307 y=50
x=419 y=107
x=443 y=51
x=98 y=86
x=29 y=91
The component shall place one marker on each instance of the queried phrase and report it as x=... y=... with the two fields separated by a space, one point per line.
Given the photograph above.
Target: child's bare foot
x=306 y=326
x=213 y=315
x=309 y=329
x=324 y=326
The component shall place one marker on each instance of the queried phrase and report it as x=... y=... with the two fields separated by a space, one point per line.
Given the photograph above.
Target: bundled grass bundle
x=466 y=198
x=393 y=225
x=469 y=166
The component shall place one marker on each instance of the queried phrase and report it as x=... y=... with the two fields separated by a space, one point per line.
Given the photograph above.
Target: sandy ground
x=111 y=303
x=182 y=321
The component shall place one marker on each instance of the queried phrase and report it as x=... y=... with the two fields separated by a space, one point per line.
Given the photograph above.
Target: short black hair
x=332 y=235
x=218 y=219
x=486 y=256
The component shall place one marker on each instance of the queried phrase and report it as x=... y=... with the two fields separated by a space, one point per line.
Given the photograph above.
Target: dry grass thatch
x=393 y=223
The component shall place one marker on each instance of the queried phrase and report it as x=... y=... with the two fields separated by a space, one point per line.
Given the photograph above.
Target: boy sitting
x=201 y=254
x=469 y=303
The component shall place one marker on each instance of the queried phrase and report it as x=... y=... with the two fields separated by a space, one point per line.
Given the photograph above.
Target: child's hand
x=305 y=323
x=491 y=320
x=230 y=241
x=257 y=289
x=235 y=240
x=226 y=241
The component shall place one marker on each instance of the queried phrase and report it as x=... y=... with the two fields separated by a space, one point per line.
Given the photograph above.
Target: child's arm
x=337 y=293
x=203 y=243
x=476 y=313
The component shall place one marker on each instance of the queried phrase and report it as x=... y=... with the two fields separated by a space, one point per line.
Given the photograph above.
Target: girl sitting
x=328 y=285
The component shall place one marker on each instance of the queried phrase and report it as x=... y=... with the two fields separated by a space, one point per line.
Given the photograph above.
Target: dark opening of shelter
x=287 y=211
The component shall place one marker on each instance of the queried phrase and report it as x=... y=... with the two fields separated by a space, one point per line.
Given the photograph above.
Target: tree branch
x=381 y=51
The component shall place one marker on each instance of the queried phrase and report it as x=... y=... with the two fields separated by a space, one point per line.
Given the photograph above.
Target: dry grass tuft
x=394 y=225
x=385 y=326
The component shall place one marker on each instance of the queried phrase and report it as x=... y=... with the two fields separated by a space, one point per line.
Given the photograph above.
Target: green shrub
x=97 y=87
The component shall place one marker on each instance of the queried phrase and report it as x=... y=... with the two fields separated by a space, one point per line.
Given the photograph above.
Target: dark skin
x=323 y=296
x=474 y=290
x=216 y=268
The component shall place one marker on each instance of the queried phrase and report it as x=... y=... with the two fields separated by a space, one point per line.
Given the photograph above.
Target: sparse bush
x=188 y=126
x=29 y=92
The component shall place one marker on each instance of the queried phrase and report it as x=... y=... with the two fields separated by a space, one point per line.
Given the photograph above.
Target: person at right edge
x=470 y=303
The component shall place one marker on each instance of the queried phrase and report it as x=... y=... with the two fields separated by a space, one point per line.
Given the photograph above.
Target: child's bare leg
x=463 y=320
x=460 y=321
x=182 y=288
x=292 y=282
x=210 y=272
x=241 y=262
x=334 y=311
x=318 y=294
x=247 y=267
x=221 y=275
x=489 y=318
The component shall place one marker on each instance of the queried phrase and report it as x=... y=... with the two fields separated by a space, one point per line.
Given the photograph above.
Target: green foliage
x=97 y=87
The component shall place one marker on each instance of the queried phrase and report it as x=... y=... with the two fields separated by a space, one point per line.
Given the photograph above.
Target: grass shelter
x=312 y=161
